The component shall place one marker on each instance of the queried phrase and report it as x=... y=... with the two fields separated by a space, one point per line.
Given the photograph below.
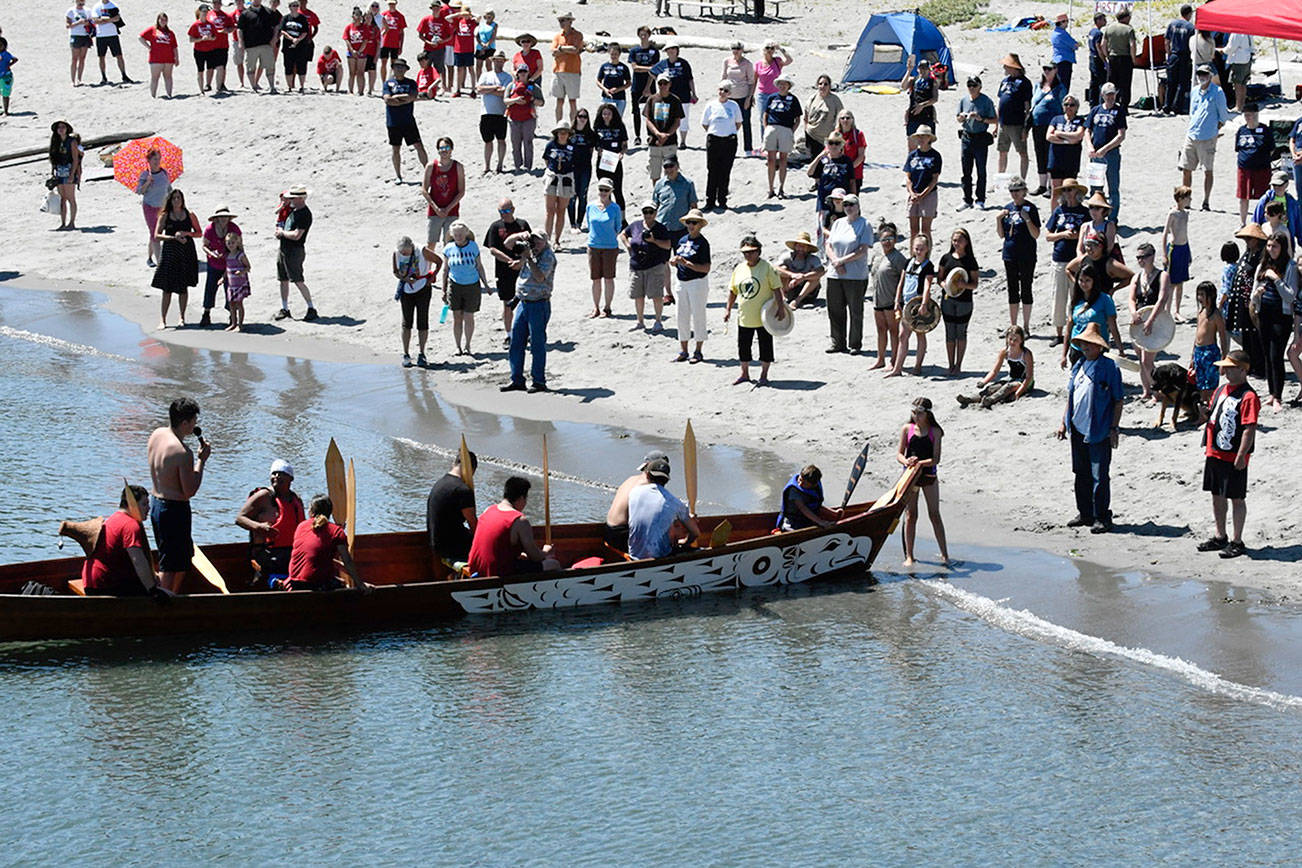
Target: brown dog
x=1173 y=389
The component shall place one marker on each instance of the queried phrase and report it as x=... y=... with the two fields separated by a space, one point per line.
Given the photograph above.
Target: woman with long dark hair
x=584 y=141
x=919 y=446
x=612 y=138
x=1273 y=297
x=178 y=265
x=65 y=169
x=956 y=307
x=1237 y=317
x=1090 y=304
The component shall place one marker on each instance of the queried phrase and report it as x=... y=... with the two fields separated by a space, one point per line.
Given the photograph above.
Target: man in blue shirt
x=1207 y=114
x=1064 y=47
x=1093 y=416
x=1098 y=61
x=1107 y=130
x=976 y=112
x=1179 y=62
x=1014 y=112
x=1254 y=144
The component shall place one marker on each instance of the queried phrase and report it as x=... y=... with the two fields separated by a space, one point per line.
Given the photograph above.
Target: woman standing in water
x=919 y=446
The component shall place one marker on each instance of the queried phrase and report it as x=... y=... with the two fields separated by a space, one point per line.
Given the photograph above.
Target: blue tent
x=886 y=43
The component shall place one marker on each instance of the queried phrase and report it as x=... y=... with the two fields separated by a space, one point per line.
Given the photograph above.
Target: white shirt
x=80 y=15
x=106 y=28
x=721 y=118
x=1239 y=48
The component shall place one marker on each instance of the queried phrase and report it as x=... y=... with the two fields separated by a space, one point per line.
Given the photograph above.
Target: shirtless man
x=177 y=475
x=271 y=515
x=616 y=530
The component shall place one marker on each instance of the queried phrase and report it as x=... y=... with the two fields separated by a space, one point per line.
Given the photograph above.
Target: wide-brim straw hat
x=1091 y=335
x=750 y=245
x=1011 y=59
x=221 y=212
x=298 y=190
x=919 y=319
x=1073 y=184
x=801 y=238
x=1099 y=200
x=1160 y=337
x=924 y=132
x=955 y=282
x=778 y=327
x=1251 y=230
x=694 y=216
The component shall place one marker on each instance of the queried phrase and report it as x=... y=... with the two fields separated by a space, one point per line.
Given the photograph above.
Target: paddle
x=208 y=571
x=689 y=466
x=855 y=473
x=336 y=484
x=352 y=505
x=722 y=531
x=467 y=470
x=133 y=505
x=547 y=496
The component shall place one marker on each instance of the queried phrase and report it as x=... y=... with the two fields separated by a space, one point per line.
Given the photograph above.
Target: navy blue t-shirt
x=695 y=250
x=1104 y=123
x=1014 y=99
x=783 y=111
x=1017 y=220
x=612 y=138
x=680 y=77
x=642 y=254
x=639 y=56
x=616 y=77
x=559 y=158
x=583 y=141
x=832 y=172
x=1255 y=146
x=921 y=166
x=400 y=115
x=1067 y=217
x=1065 y=155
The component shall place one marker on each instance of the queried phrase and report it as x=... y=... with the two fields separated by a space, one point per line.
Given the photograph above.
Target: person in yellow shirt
x=567 y=54
x=754 y=283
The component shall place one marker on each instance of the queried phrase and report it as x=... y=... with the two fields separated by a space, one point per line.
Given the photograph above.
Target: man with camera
x=533 y=297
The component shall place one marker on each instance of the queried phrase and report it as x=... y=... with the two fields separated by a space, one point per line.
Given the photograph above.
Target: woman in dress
x=236 y=275
x=178 y=265
x=164 y=53
x=919 y=446
x=740 y=73
x=153 y=187
x=416 y=271
x=605 y=220
x=612 y=142
x=584 y=141
x=956 y=307
x=65 y=168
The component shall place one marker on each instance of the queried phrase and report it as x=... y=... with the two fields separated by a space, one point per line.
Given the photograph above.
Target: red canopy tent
x=1278 y=19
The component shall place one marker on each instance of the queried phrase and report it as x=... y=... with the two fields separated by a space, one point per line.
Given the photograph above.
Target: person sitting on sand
x=317 y=543
x=272 y=515
x=801 y=270
x=1021 y=373
x=802 y=502
x=503 y=544
x=919 y=446
x=615 y=531
x=118 y=564
x=652 y=514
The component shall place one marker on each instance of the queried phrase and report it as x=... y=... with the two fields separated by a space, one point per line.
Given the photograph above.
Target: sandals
x=1213 y=544
x=697 y=358
x=681 y=357
x=1234 y=550
x=742 y=379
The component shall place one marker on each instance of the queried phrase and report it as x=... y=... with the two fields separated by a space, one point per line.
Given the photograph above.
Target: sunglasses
x=505 y=210
x=1145 y=256
x=445 y=148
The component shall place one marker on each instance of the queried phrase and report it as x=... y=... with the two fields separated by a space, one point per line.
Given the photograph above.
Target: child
x=1275 y=223
x=428 y=79
x=1211 y=341
x=1230 y=258
x=1021 y=373
x=283 y=210
x=237 y=280
x=920 y=447
x=1175 y=241
x=328 y=66
x=7 y=62
x=915 y=281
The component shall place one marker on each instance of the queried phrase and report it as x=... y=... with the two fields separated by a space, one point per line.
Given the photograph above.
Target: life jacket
x=814 y=494
x=287 y=520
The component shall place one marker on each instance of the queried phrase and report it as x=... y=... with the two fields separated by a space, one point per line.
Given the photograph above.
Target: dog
x=1174 y=388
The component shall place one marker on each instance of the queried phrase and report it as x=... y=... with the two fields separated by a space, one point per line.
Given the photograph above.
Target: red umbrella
x=130 y=161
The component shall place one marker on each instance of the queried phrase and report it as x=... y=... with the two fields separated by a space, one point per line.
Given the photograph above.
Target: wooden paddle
x=467 y=470
x=336 y=483
x=352 y=505
x=133 y=505
x=855 y=472
x=547 y=496
x=719 y=536
x=208 y=571
x=689 y=466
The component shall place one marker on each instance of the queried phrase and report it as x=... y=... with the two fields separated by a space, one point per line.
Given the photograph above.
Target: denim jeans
x=1112 y=160
x=973 y=154
x=762 y=103
x=1090 y=462
x=1179 y=73
x=579 y=201
x=530 y=324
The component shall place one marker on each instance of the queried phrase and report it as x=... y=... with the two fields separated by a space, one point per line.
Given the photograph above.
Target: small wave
x=507 y=464
x=1031 y=626
x=59 y=344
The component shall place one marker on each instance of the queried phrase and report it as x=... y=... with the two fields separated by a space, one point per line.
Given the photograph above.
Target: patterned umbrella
x=129 y=162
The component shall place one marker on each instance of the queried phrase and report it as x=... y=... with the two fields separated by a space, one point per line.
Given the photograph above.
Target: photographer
x=533 y=296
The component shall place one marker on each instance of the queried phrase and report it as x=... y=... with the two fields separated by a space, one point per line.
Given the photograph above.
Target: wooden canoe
x=401 y=569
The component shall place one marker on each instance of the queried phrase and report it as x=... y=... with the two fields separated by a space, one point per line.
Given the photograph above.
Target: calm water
x=1021 y=710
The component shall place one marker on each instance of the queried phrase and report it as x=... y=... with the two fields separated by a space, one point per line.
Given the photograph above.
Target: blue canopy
x=886 y=43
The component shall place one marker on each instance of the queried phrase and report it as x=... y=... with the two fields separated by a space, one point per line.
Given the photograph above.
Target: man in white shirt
x=1238 y=60
x=720 y=120
x=106 y=18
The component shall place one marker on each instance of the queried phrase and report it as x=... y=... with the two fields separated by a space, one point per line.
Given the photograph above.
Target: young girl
x=915 y=281
x=920 y=447
x=1230 y=264
x=1150 y=287
x=318 y=541
x=237 y=280
x=1021 y=373
x=1175 y=241
x=1211 y=341
x=7 y=62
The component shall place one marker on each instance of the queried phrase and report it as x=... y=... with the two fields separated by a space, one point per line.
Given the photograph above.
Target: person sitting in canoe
x=802 y=502
x=317 y=542
x=118 y=564
x=450 y=516
x=652 y=512
x=616 y=530
x=504 y=543
x=271 y=515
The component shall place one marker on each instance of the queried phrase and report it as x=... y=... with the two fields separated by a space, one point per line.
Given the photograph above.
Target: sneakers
x=421 y=361
x=311 y=315
x=1100 y=526
x=1234 y=550
x=981 y=206
x=1213 y=544
x=283 y=313
x=535 y=388
x=1080 y=521
x=963 y=206
x=512 y=386
x=406 y=360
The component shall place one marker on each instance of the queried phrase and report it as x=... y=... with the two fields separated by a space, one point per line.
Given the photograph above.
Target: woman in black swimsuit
x=1150 y=287
x=920 y=447
x=178 y=266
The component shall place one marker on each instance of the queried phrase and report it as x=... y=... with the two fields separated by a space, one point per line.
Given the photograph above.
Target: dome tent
x=887 y=41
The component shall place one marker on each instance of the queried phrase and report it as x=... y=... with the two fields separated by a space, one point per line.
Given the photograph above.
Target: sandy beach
x=1006 y=479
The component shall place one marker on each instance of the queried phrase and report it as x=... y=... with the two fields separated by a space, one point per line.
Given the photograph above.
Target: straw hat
x=802 y=237
x=54 y=127
x=1251 y=230
x=1073 y=184
x=1099 y=200
x=297 y=190
x=694 y=216
x=919 y=319
x=1160 y=337
x=955 y=282
x=1091 y=335
x=924 y=132
x=779 y=328
x=1011 y=59
x=223 y=211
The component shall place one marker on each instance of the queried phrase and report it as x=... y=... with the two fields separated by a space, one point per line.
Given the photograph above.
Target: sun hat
x=562 y=127
x=1251 y=230
x=1204 y=69
x=499 y=55
x=725 y=85
x=750 y=242
x=694 y=216
x=605 y=184
x=398 y=61
x=802 y=237
x=738 y=46
x=653 y=455
x=924 y=132
x=838 y=193
x=672 y=43
x=223 y=211
x=921 y=320
x=1235 y=359
x=784 y=77
x=280 y=465
x=565 y=16
x=662 y=77
x=1072 y=184
x=849 y=199
x=1098 y=200
x=526 y=37
x=658 y=468
x=55 y=126
x=779 y=328
x=1160 y=337
x=1091 y=335
x=298 y=190
x=1062 y=18
x=954 y=282
x=1011 y=59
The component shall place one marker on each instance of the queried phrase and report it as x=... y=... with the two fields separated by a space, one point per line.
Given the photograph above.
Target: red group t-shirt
x=109 y=566
x=362 y=39
x=433 y=31
x=328 y=65
x=427 y=78
x=463 y=39
x=222 y=25
x=162 y=45
x=312 y=560
x=1233 y=409
x=313 y=23
x=524 y=110
x=204 y=34
x=392 y=37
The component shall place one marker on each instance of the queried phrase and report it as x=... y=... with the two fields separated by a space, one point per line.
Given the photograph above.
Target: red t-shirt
x=162 y=45
x=532 y=58
x=109 y=566
x=854 y=142
x=430 y=31
x=491 y=552
x=463 y=37
x=355 y=39
x=313 y=23
x=1233 y=409
x=443 y=187
x=222 y=24
x=524 y=110
x=312 y=560
x=392 y=37
x=427 y=78
x=326 y=65
x=204 y=34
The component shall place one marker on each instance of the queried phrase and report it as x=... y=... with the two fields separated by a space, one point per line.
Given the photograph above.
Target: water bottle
x=443 y=316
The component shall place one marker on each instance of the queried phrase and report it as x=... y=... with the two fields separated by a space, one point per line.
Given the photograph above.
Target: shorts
x=565 y=85
x=214 y=59
x=647 y=283
x=601 y=263
x=492 y=127
x=63 y=173
x=370 y=63
x=7 y=84
x=108 y=44
x=1064 y=168
x=464 y=297
x=80 y=41
x=438 y=228
x=388 y=53
x=1196 y=152
x=779 y=139
x=1252 y=183
x=506 y=280
x=1012 y=137
x=484 y=53
x=237 y=53
x=258 y=57
x=1240 y=72
x=558 y=185
x=289 y=263
x=1222 y=479
x=745 y=339
x=926 y=119
x=1178 y=258
x=170 y=520
x=296 y=60
x=1206 y=375
x=405 y=133
x=615 y=536
x=926 y=206
x=463 y=58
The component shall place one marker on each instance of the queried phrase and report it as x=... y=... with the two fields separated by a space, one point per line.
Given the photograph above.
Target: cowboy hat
x=955 y=282
x=802 y=237
x=1091 y=335
x=778 y=327
x=694 y=216
x=1098 y=200
x=1072 y=184
x=921 y=320
x=565 y=16
x=1011 y=59
x=223 y=211
x=1160 y=337
x=1251 y=230
x=924 y=132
